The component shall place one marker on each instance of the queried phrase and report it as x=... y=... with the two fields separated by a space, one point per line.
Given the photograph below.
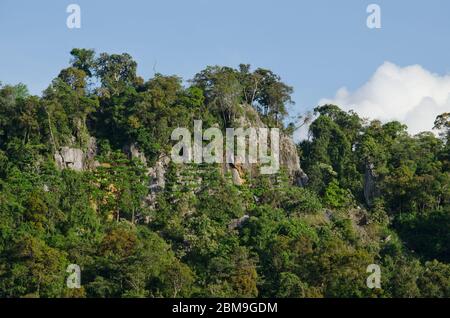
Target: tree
x=84 y=60
x=222 y=91
x=273 y=96
x=116 y=72
x=200 y=235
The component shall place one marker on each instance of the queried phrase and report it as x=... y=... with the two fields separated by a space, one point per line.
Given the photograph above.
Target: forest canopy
x=376 y=195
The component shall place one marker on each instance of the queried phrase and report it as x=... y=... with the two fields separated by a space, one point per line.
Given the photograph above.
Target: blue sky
x=316 y=46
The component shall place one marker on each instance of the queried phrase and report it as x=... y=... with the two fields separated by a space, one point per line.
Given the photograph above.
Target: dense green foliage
x=315 y=241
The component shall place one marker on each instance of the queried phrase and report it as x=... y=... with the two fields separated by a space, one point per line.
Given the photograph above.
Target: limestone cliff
x=370 y=186
x=77 y=159
x=289 y=159
x=84 y=159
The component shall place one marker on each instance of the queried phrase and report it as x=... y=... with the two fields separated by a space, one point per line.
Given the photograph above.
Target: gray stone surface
x=70 y=158
x=370 y=186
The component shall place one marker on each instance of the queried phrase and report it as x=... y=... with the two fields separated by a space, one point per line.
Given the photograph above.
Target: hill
x=86 y=179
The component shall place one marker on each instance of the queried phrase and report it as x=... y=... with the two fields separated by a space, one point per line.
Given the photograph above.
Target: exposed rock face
x=301 y=178
x=237 y=180
x=290 y=160
x=288 y=154
x=70 y=158
x=370 y=187
x=249 y=118
x=91 y=152
x=92 y=148
x=157 y=178
x=237 y=223
x=77 y=159
x=134 y=153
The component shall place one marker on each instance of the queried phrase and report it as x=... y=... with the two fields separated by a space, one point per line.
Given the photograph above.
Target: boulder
x=70 y=158
x=76 y=159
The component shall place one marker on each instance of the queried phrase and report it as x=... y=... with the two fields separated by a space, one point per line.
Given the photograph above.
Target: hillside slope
x=86 y=178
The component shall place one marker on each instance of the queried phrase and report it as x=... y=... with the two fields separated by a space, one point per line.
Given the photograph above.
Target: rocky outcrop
x=238 y=223
x=84 y=159
x=70 y=158
x=370 y=186
x=157 y=178
x=236 y=175
x=290 y=160
x=134 y=152
x=75 y=158
x=156 y=173
x=91 y=152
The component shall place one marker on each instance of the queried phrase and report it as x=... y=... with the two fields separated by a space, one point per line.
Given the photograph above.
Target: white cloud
x=411 y=95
